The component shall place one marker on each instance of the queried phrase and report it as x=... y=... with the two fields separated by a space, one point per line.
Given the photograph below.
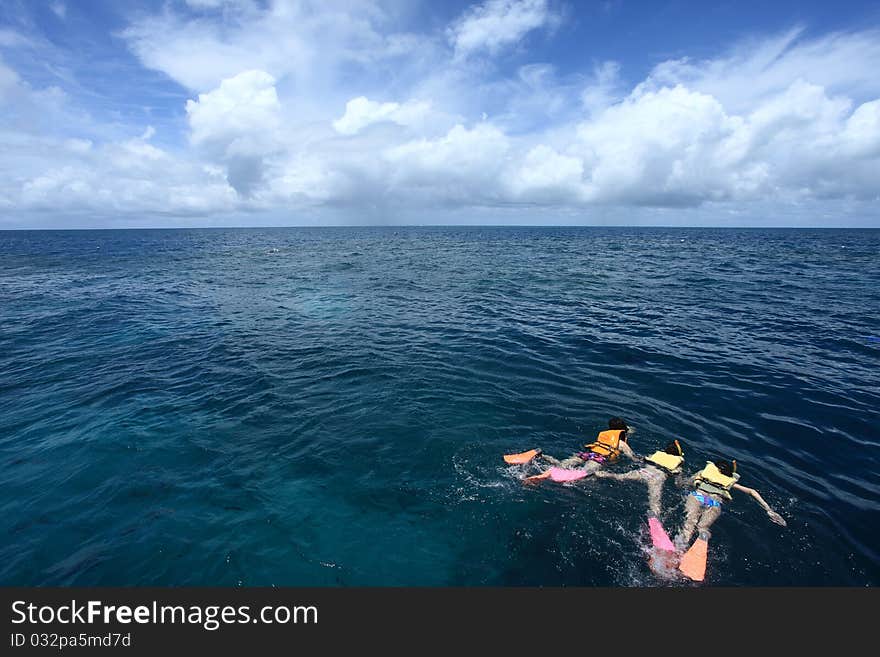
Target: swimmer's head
x=674 y=448
x=727 y=468
x=617 y=424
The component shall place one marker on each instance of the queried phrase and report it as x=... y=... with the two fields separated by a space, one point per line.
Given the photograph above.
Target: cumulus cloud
x=131 y=177
x=497 y=24
x=546 y=176
x=278 y=121
x=676 y=146
x=659 y=148
x=237 y=124
x=43 y=170
x=361 y=112
x=461 y=166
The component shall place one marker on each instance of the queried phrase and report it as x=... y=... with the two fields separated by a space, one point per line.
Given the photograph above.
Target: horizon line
x=244 y=227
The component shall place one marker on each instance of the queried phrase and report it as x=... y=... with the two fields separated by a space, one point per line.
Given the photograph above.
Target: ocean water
x=330 y=406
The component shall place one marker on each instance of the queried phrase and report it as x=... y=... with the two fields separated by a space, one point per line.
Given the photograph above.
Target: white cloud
x=237 y=115
x=547 y=176
x=59 y=9
x=361 y=112
x=604 y=89
x=462 y=166
x=658 y=148
x=44 y=169
x=756 y=69
x=121 y=178
x=861 y=137
x=786 y=120
x=675 y=146
x=237 y=124
x=200 y=53
x=497 y=24
x=308 y=42
x=28 y=110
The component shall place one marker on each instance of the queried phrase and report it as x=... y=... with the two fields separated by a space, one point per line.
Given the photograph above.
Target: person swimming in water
x=607 y=448
x=658 y=467
x=712 y=487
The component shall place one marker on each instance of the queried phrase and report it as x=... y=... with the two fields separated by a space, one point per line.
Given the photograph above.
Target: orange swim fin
x=523 y=457
x=693 y=562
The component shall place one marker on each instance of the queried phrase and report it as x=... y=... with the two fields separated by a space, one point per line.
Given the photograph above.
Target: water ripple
x=328 y=406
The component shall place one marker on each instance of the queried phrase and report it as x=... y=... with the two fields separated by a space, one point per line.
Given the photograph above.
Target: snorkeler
x=712 y=486
x=607 y=448
x=658 y=466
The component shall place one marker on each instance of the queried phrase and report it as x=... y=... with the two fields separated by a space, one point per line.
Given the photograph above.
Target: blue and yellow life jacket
x=711 y=480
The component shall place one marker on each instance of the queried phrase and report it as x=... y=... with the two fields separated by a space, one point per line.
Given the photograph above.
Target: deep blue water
x=329 y=406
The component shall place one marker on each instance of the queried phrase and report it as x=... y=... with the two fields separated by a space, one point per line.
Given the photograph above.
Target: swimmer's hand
x=775 y=517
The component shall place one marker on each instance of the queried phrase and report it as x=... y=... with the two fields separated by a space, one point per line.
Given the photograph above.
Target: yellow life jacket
x=607 y=443
x=711 y=480
x=669 y=462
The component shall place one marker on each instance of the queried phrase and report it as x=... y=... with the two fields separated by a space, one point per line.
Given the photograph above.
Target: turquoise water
x=329 y=406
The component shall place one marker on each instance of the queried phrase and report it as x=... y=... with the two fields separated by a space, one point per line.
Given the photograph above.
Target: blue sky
x=275 y=112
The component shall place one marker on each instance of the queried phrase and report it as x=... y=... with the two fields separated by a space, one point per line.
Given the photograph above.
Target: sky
x=558 y=112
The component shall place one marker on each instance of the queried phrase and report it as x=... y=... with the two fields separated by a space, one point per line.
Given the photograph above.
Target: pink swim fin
x=563 y=474
x=659 y=537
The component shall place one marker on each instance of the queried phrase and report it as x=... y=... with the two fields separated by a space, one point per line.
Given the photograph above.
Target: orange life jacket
x=607 y=443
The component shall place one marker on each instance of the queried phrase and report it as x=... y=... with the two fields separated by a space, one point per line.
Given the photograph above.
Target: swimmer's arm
x=775 y=517
x=626 y=449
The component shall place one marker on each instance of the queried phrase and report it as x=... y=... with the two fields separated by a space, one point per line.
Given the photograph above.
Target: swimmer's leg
x=693 y=509
x=655 y=489
x=551 y=460
x=709 y=516
x=572 y=461
x=592 y=467
x=693 y=562
x=632 y=475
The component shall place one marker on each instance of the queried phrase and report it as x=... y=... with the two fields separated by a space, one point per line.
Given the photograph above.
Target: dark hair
x=674 y=448
x=617 y=424
x=725 y=467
